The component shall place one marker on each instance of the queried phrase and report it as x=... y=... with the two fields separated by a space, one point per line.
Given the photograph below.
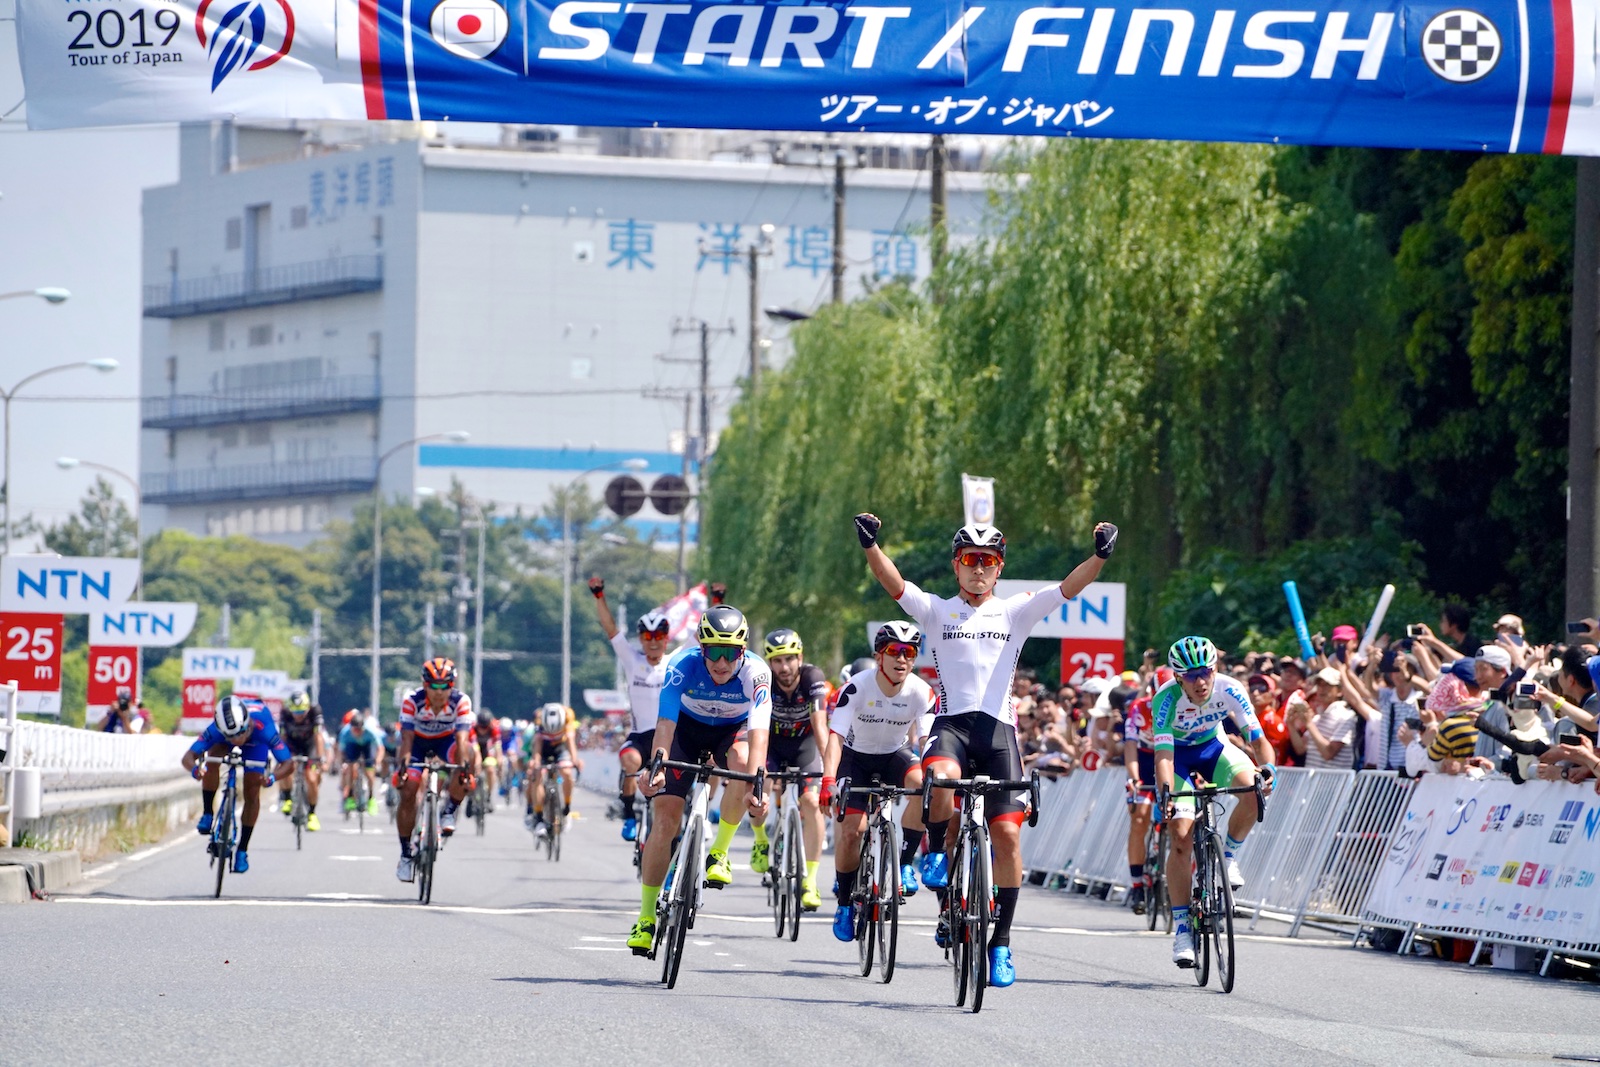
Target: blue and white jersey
x=261 y=739
x=688 y=690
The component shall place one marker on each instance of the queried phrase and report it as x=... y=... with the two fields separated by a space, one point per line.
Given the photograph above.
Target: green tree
x=103 y=526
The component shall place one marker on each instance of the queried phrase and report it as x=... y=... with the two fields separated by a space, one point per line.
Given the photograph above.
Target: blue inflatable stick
x=1298 y=614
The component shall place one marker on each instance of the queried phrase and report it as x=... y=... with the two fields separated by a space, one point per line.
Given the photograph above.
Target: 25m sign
x=30 y=655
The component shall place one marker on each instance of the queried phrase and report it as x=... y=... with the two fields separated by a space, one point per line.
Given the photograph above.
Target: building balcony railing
x=180 y=298
x=260 y=481
x=293 y=400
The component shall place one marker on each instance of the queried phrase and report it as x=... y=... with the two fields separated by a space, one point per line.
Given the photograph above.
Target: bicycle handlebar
x=876 y=787
x=1207 y=792
x=787 y=775
x=982 y=785
x=705 y=770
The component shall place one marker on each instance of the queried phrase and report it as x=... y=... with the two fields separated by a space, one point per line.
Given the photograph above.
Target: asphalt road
x=321 y=956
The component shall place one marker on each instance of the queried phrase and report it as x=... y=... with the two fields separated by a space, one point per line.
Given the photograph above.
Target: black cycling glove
x=1105 y=540
x=867 y=527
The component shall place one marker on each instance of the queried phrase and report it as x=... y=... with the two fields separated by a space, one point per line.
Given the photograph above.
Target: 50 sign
x=31 y=657
x=112 y=670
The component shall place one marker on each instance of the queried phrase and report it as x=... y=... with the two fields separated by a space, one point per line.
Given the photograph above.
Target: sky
x=69 y=217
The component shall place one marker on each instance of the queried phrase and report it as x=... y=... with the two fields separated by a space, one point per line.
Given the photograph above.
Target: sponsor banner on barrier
x=1498 y=75
x=1505 y=859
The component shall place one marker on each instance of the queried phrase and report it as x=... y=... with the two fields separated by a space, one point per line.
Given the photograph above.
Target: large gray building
x=311 y=304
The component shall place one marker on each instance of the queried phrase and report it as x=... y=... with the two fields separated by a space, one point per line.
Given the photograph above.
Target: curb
x=30 y=870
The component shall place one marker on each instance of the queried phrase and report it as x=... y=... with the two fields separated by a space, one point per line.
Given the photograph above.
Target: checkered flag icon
x=1461 y=46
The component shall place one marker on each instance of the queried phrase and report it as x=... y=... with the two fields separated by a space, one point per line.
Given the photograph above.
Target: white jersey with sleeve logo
x=416 y=716
x=644 y=682
x=975 y=649
x=874 y=724
x=1180 y=721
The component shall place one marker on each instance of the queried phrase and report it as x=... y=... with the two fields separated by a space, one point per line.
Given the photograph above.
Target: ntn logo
x=37 y=581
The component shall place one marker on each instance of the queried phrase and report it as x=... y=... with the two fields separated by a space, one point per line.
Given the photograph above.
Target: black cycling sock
x=405 y=847
x=244 y=837
x=566 y=809
x=311 y=809
x=847 y=885
x=936 y=832
x=627 y=806
x=908 y=851
x=208 y=801
x=1005 y=907
x=1136 y=872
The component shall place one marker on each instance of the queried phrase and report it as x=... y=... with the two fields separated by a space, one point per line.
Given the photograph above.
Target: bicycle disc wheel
x=866 y=899
x=1221 y=918
x=978 y=904
x=794 y=862
x=888 y=920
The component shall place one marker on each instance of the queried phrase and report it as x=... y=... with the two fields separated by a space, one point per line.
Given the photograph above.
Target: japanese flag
x=469 y=28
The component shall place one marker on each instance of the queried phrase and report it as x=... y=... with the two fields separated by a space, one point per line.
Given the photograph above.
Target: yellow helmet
x=784 y=643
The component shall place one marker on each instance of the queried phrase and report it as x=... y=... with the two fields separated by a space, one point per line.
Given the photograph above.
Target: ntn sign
x=217 y=662
x=73 y=585
x=1099 y=612
x=142 y=625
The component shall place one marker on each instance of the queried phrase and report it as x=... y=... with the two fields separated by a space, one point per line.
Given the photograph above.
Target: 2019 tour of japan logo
x=1461 y=46
x=248 y=35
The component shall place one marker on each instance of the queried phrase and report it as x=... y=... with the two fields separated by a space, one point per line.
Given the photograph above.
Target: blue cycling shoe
x=204 y=825
x=908 y=879
x=630 y=829
x=241 y=863
x=1001 y=972
x=941 y=933
x=716 y=816
x=936 y=870
x=844 y=922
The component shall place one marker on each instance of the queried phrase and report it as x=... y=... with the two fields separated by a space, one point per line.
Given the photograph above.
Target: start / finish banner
x=1499 y=75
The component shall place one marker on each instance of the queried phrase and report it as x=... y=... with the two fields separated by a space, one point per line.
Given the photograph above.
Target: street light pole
x=6 y=395
x=568 y=559
x=377 y=551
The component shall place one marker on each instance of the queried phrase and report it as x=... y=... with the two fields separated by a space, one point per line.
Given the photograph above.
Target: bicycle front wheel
x=773 y=879
x=298 y=806
x=1200 y=905
x=977 y=928
x=224 y=839
x=956 y=910
x=1221 y=916
x=888 y=919
x=430 y=843
x=865 y=898
x=678 y=906
x=1153 y=858
x=794 y=853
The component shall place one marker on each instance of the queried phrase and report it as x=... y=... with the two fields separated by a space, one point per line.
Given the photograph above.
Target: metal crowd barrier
x=1312 y=858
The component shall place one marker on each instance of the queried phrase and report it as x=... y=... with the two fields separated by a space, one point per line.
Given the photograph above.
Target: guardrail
x=320 y=396
x=69 y=758
x=8 y=758
x=1311 y=859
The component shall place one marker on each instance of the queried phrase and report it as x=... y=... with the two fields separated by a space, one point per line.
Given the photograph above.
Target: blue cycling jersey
x=350 y=739
x=689 y=690
x=262 y=738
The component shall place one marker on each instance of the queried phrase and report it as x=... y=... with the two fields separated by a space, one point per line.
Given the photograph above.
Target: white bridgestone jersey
x=874 y=724
x=644 y=682
x=975 y=649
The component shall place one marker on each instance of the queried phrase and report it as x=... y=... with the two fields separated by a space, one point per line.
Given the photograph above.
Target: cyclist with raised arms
x=551 y=744
x=975 y=639
x=435 y=720
x=1188 y=713
x=645 y=671
x=247 y=725
x=716 y=699
x=879 y=722
x=799 y=730
x=302 y=732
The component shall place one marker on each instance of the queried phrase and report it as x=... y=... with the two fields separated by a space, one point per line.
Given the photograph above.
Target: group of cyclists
x=718 y=699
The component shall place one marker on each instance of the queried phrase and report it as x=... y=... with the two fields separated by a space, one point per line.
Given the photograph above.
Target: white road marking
x=721 y=953
x=354 y=859
x=605 y=939
x=143 y=854
x=599 y=948
x=344 y=896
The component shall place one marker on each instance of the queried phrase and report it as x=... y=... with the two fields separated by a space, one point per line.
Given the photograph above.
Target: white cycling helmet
x=896 y=630
x=505 y=724
x=232 y=717
x=553 y=718
x=654 y=624
x=374 y=727
x=978 y=535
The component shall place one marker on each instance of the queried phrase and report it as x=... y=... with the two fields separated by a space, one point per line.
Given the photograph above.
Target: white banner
x=142 y=625
x=604 y=700
x=66 y=585
x=683 y=612
x=263 y=685
x=977 y=500
x=181 y=60
x=217 y=663
x=1512 y=860
x=1100 y=611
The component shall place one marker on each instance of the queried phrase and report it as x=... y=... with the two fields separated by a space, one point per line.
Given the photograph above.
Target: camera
x=1527 y=689
x=1414 y=629
x=1415 y=725
x=1577 y=627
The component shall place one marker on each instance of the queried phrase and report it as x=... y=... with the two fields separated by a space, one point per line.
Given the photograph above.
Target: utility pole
x=938 y=158
x=316 y=656
x=477 y=625
x=703 y=445
x=1583 y=492
x=838 y=227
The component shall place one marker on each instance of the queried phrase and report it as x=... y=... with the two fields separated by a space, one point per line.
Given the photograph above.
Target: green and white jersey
x=1180 y=721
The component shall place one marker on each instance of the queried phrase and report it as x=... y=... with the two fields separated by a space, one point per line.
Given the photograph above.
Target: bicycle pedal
x=1185 y=965
x=713 y=885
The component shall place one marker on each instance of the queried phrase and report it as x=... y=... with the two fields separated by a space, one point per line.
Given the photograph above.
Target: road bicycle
x=646 y=821
x=680 y=899
x=878 y=891
x=785 y=877
x=298 y=806
x=224 y=838
x=426 y=841
x=480 y=803
x=1211 y=900
x=358 y=793
x=968 y=904
x=1157 y=897
x=554 y=819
